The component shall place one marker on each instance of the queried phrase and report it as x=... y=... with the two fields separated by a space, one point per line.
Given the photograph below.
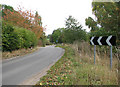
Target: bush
x=74 y=35
x=27 y=38
x=14 y=38
x=9 y=38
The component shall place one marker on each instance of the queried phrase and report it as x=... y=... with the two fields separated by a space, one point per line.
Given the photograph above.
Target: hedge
x=14 y=38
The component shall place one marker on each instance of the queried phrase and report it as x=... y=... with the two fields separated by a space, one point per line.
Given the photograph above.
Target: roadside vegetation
x=18 y=53
x=16 y=38
x=77 y=66
x=21 y=30
x=106 y=22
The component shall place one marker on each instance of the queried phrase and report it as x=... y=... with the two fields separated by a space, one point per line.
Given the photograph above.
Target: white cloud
x=54 y=12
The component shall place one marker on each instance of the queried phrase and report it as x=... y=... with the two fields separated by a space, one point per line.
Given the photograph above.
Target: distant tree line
x=106 y=22
x=73 y=31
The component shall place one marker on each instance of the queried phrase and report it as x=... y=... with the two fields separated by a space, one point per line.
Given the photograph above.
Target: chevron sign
x=103 y=40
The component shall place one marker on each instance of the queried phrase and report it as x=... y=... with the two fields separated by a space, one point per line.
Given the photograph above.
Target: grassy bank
x=75 y=68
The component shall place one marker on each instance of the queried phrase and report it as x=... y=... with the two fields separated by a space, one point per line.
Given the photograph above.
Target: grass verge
x=71 y=69
x=16 y=53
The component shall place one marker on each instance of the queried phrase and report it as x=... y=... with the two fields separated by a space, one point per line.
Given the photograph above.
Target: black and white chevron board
x=103 y=40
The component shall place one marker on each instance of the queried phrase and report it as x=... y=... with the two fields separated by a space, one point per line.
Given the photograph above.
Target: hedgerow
x=14 y=38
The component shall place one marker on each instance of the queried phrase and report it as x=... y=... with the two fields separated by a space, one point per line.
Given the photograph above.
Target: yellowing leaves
x=25 y=19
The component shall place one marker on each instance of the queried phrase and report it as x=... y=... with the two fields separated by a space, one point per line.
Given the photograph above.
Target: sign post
x=94 y=52
x=111 y=57
x=103 y=40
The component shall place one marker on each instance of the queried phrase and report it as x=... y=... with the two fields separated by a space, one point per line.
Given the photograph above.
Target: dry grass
x=20 y=52
x=77 y=67
x=101 y=70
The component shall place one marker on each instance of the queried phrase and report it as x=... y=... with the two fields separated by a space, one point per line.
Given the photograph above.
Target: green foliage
x=57 y=35
x=27 y=38
x=7 y=7
x=43 y=38
x=107 y=17
x=9 y=38
x=70 y=36
x=106 y=14
x=73 y=31
x=101 y=32
x=38 y=19
x=91 y=23
x=14 y=38
x=76 y=69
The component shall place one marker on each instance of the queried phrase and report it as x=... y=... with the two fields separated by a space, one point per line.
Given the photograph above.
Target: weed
x=76 y=67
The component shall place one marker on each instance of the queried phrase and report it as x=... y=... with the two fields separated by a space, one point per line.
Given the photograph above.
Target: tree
x=14 y=38
x=43 y=38
x=72 y=23
x=108 y=17
x=73 y=31
x=57 y=35
x=25 y=19
x=91 y=23
x=6 y=7
x=38 y=19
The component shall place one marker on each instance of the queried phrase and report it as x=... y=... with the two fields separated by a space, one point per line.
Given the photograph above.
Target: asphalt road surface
x=15 y=71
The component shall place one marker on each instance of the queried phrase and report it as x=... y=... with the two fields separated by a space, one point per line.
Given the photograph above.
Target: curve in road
x=15 y=71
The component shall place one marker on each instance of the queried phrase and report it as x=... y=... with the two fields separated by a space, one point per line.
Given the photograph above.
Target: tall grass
x=101 y=71
x=84 y=49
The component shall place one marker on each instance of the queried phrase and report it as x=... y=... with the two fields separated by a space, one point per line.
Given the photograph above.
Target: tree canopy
x=25 y=19
x=107 y=17
x=73 y=31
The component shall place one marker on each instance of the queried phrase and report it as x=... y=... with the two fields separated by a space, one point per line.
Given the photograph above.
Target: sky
x=55 y=12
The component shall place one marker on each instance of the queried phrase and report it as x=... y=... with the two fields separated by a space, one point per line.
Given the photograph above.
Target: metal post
x=94 y=52
x=111 y=57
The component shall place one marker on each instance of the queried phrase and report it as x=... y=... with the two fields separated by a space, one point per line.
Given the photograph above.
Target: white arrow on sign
x=108 y=40
x=99 y=40
x=92 y=40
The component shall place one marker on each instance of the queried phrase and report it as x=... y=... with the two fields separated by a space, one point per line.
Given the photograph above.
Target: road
x=15 y=71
